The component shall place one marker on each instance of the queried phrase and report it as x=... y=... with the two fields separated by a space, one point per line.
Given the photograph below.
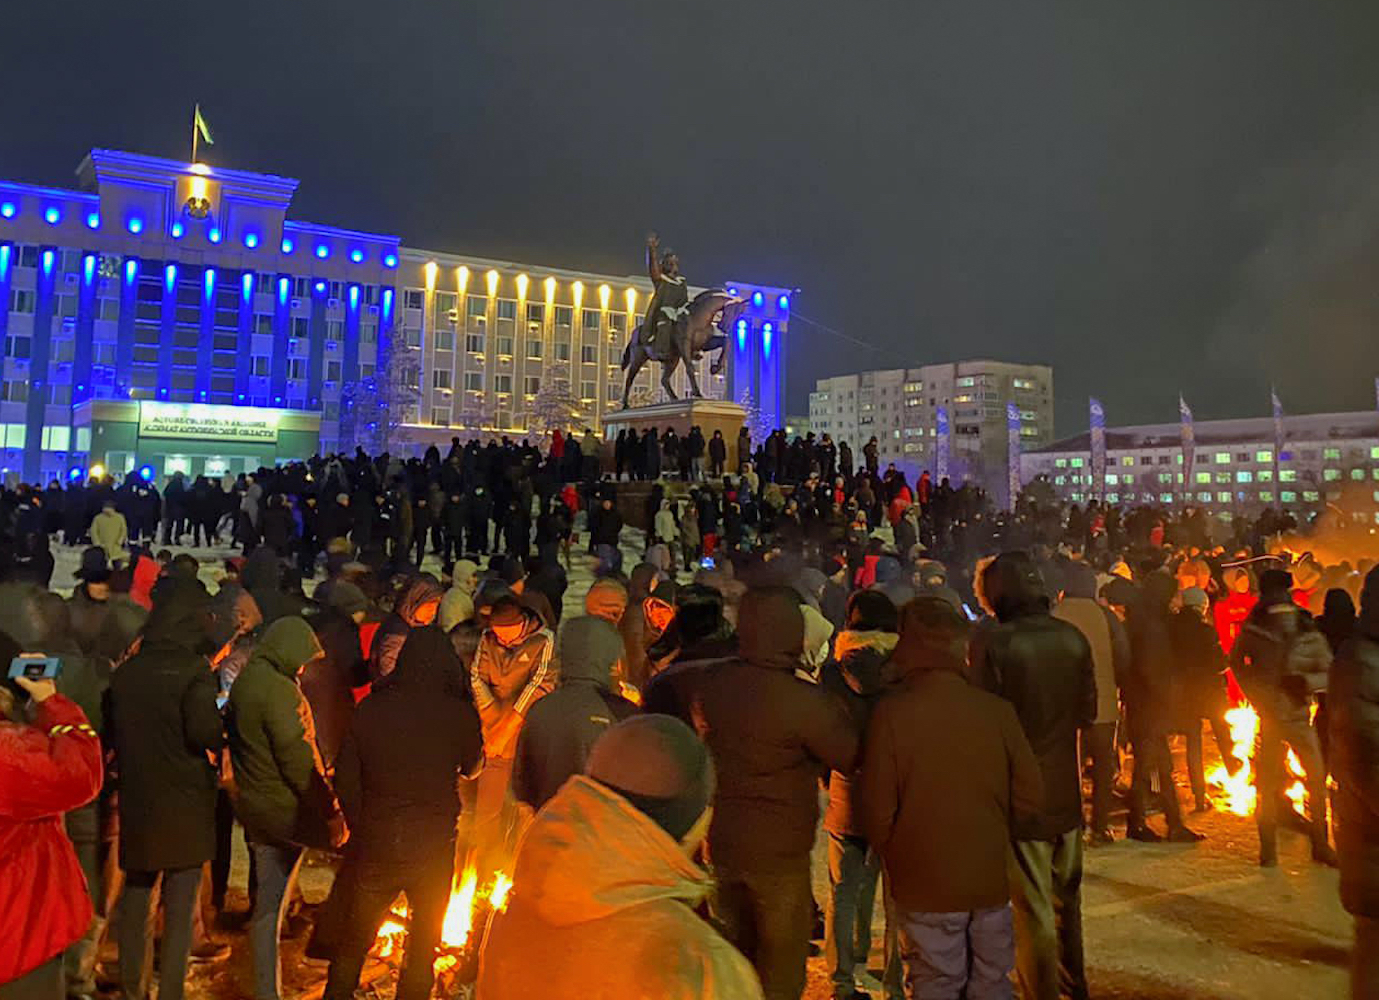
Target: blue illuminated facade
x=161 y=280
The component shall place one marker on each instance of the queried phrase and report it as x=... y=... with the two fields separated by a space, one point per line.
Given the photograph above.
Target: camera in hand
x=35 y=667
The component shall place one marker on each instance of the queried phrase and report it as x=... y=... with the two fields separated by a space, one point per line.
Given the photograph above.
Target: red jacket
x=46 y=769
x=1229 y=614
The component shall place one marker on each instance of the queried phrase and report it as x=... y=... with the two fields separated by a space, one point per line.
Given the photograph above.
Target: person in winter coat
x=416 y=607
x=1230 y=612
x=1150 y=704
x=605 y=526
x=698 y=638
x=273 y=752
x=47 y=768
x=857 y=675
x=110 y=532
x=1110 y=648
x=276 y=526
x=1353 y=717
x=90 y=600
x=1044 y=668
x=691 y=544
x=718 y=454
x=562 y=727
x=605 y=886
x=771 y=735
x=947 y=768
x=511 y=671
x=1201 y=688
x=412 y=738
x=1281 y=660
x=329 y=682
x=164 y=723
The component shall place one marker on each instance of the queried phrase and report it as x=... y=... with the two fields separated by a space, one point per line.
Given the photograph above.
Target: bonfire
x=1238 y=790
x=466 y=917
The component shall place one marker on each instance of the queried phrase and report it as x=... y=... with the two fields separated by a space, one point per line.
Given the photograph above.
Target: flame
x=459 y=915
x=1238 y=790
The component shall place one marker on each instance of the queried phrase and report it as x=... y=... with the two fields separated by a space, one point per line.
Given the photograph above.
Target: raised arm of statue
x=653 y=258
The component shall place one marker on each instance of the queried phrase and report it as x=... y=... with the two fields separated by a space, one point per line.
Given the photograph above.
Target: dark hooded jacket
x=561 y=728
x=772 y=736
x=1352 y=704
x=1043 y=667
x=947 y=768
x=388 y=640
x=412 y=738
x=329 y=682
x=163 y=721
x=272 y=736
x=1280 y=659
x=698 y=639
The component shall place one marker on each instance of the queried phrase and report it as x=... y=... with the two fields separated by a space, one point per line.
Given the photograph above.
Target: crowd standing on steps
x=389 y=675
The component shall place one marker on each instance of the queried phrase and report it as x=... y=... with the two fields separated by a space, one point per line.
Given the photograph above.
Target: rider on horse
x=669 y=300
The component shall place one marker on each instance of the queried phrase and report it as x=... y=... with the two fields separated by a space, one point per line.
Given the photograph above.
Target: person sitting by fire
x=605 y=888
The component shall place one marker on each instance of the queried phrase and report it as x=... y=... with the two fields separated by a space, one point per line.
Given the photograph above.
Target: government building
x=169 y=316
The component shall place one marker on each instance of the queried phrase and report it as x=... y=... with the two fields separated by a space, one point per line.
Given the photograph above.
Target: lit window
x=1222 y=457
x=1331 y=454
x=1331 y=475
x=1264 y=455
x=1288 y=496
x=1244 y=477
x=1076 y=463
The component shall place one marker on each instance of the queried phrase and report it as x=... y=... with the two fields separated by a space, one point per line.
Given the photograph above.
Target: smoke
x=1303 y=309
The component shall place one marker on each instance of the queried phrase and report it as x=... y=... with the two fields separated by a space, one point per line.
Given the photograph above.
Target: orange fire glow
x=459 y=922
x=1238 y=790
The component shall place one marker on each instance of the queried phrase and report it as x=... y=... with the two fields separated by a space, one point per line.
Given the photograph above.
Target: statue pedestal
x=682 y=414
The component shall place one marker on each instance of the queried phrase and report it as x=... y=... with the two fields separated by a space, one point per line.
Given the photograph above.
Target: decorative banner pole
x=1189 y=445
x=941 y=449
x=1013 y=452
x=1098 y=440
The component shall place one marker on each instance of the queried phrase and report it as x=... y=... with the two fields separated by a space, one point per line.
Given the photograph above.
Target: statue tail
x=627 y=351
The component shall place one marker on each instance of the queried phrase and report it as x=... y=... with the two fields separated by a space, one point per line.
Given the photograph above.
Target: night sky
x=1152 y=197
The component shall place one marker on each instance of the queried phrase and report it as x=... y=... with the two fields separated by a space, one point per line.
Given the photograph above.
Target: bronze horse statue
x=703 y=326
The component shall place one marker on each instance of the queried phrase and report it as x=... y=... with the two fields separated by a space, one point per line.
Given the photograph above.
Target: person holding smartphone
x=47 y=768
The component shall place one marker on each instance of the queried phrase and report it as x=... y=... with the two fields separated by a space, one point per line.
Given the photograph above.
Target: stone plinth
x=710 y=414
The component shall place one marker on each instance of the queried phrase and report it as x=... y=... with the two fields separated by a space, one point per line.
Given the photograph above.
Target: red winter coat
x=1229 y=615
x=46 y=769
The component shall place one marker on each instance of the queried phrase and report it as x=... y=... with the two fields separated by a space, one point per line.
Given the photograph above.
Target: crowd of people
x=391 y=673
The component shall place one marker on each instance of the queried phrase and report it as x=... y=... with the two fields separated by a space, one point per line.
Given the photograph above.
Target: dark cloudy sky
x=1151 y=196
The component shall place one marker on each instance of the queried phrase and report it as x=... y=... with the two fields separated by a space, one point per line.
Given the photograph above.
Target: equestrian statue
x=677 y=329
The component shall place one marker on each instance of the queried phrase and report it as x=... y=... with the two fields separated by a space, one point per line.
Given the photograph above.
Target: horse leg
x=682 y=347
x=667 y=370
x=638 y=359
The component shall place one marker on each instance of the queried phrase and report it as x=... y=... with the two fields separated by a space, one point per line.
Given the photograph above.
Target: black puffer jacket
x=1043 y=667
x=1352 y=704
x=412 y=738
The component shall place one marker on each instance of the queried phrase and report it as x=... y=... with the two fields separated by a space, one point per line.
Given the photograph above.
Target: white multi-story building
x=1325 y=458
x=900 y=407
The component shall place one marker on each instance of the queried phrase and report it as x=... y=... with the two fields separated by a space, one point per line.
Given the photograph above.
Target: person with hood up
x=165 y=728
x=1230 y=612
x=1281 y=659
x=857 y=674
x=416 y=606
x=1044 y=668
x=699 y=637
x=605 y=886
x=278 y=777
x=47 y=768
x=1353 y=719
x=562 y=727
x=1110 y=648
x=262 y=578
x=771 y=736
x=412 y=738
x=946 y=770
